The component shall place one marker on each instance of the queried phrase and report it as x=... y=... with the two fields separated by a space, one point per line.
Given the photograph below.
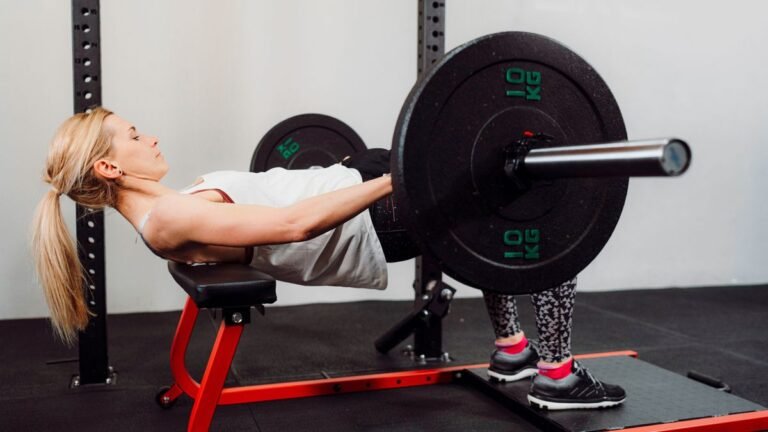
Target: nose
x=154 y=141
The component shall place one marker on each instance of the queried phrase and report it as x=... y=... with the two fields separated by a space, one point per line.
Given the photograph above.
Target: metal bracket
x=438 y=300
x=111 y=379
x=515 y=154
x=237 y=316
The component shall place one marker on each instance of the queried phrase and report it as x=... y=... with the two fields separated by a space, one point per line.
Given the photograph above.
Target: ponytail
x=58 y=268
x=78 y=144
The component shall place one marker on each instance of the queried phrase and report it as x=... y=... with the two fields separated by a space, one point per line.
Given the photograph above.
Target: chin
x=162 y=173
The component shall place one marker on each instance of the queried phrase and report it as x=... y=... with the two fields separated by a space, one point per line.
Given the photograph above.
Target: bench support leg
x=181 y=376
x=215 y=374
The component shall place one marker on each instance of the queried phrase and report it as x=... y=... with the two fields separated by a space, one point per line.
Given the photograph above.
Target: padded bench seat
x=224 y=285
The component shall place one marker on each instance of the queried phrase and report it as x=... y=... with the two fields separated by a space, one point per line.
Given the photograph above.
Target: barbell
x=510 y=162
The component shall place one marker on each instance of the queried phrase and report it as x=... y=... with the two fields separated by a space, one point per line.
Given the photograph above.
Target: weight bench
x=234 y=288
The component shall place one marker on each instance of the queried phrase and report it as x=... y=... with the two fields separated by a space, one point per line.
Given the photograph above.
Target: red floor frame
x=210 y=392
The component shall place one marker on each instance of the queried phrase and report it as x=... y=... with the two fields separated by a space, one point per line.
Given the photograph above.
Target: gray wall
x=210 y=77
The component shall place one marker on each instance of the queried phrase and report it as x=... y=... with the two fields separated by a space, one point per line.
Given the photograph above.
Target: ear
x=107 y=169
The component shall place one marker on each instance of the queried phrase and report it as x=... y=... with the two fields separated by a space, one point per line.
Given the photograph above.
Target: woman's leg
x=502 y=310
x=562 y=383
x=513 y=359
x=554 y=320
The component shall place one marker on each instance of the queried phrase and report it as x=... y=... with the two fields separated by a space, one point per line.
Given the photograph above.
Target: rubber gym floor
x=718 y=331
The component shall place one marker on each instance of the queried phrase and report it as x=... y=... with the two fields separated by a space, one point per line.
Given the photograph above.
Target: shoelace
x=581 y=370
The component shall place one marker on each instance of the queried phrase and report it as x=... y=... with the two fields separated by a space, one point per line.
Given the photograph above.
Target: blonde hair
x=79 y=142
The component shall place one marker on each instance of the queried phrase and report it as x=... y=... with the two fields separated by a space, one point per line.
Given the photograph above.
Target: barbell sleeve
x=662 y=157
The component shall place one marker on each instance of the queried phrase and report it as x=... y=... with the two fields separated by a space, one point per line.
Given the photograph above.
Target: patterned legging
x=554 y=313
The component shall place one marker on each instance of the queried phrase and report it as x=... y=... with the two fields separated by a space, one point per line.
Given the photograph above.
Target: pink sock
x=558 y=372
x=514 y=348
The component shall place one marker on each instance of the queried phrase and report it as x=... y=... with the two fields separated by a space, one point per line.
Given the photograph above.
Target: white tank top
x=349 y=255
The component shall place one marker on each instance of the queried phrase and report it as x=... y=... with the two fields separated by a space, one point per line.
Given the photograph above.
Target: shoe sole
x=525 y=373
x=549 y=405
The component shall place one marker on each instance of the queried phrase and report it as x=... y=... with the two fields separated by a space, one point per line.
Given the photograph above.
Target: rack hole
x=86 y=28
x=87 y=45
x=91 y=240
x=88 y=95
x=85 y=11
x=436 y=19
x=91 y=224
x=91 y=255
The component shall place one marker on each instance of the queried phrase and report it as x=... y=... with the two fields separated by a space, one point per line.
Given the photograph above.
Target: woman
x=304 y=226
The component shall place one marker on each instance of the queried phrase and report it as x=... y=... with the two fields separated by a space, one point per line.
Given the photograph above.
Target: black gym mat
x=654 y=396
x=717 y=331
x=431 y=408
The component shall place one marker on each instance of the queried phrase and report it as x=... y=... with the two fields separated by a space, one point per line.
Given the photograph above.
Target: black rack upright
x=86 y=61
x=428 y=339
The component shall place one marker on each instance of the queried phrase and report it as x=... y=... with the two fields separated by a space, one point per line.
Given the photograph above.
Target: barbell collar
x=661 y=157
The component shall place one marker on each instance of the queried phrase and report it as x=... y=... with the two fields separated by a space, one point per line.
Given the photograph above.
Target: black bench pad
x=224 y=285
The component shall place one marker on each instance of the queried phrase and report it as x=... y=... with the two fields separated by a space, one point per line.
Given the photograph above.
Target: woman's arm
x=179 y=219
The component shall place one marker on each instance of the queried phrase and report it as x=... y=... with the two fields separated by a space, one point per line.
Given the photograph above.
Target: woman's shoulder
x=174 y=217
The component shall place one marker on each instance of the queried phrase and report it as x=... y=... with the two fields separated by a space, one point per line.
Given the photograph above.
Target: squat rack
x=94 y=362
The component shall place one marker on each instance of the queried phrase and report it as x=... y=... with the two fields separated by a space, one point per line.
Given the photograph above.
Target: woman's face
x=134 y=153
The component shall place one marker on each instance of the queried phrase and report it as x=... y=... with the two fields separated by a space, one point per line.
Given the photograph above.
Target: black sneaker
x=513 y=367
x=579 y=390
